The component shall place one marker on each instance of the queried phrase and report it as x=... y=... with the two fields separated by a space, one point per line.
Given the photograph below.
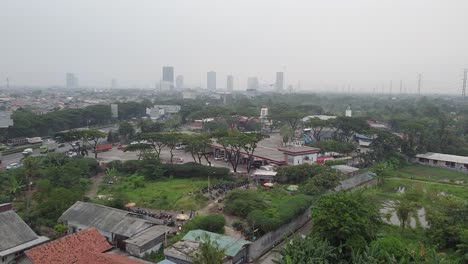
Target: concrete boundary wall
x=270 y=239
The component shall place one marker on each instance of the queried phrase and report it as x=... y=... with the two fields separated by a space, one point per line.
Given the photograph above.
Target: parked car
x=13 y=166
x=61 y=145
x=219 y=158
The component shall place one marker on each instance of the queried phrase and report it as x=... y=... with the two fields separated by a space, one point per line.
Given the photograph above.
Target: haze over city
x=326 y=45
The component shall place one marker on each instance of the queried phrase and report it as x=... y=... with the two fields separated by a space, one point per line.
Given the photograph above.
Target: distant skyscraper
x=211 y=80
x=168 y=74
x=113 y=83
x=230 y=83
x=252 y=83
x=180 y=82
x=71 y=80
x=279 y=84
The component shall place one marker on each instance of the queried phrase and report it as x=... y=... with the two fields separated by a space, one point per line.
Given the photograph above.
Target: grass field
x=432 y=174
x=169 y=194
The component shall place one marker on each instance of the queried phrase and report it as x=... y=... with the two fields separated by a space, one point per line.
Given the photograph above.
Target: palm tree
x=31 y=166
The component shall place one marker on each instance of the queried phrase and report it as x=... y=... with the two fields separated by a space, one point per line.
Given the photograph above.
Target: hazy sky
x=324 y=44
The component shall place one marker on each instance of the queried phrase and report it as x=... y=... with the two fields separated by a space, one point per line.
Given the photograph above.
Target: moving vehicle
x=219 y=158
x=27 y=151
x=61 y=145
x=120 y=147
x=44 y=149
x=180 y=146
x=71 y=154
x=13 y=166
x=103 y=147
x=34 y=140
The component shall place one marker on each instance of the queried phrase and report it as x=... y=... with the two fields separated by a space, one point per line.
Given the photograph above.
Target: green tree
x=326 y=180
x=345 y=218
x=317 y=125
x=198 y=145
x=171 y=140
x=286 y=133
x=126 y=130
x=92 y=137
x=347 y=127
x=31 y=167
x=242 y=202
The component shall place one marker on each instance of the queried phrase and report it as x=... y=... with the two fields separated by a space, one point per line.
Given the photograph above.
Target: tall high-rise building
x=168 y=74
x=230 y=83
x=252 y=83
x=211 y=80
x=279 y=84
x=180 y=82
x=113 y=83
x=71 y=80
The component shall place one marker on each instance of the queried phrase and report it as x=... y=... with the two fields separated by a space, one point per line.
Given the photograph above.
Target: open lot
x=170 y=194
x=432 y=174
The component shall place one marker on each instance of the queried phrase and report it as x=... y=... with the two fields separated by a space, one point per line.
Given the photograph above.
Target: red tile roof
x=84 y=247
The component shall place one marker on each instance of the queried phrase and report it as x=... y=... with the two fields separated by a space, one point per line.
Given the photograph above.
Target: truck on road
x=103 y=147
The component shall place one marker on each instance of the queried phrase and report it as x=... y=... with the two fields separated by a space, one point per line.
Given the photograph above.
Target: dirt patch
x=95 y=182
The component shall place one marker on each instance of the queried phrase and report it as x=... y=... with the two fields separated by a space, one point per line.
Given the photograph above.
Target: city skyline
x=323 y=44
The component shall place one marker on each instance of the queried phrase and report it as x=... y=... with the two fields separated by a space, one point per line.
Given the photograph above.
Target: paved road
x=17 y=157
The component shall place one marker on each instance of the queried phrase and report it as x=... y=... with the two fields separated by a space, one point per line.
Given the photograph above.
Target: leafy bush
x=242 y=202
x=193 y=170
x=212 y=222
x=115 y=164
x=238 y=225
x=298 y=173
x=130 y=166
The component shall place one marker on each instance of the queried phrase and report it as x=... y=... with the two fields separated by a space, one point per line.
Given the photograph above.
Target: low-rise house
x=444 y=161
x=297 y=155
x=85 y=247
x=147 y=241
x=15 y=236
x=346 y=170
x=235 y=249
x=117 y=226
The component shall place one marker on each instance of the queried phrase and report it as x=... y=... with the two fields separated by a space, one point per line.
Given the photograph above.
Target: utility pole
x=465 y=74
x=390 y=89
x=419 y=84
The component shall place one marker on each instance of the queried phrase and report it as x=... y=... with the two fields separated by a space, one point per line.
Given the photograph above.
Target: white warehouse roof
x=443 y=157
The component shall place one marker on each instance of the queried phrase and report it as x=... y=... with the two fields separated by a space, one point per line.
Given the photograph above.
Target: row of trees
x=234 y=143
x=28 y=124
x=46 y=186
x=347 y=229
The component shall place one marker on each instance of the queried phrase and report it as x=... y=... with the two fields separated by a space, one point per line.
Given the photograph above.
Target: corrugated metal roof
x=230 y=245
x=148 y=235
x=105 y=218
x=443 y=157
x=14 y=231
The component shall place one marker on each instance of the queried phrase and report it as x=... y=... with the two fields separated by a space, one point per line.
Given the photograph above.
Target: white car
x=13 y=166
x=219 y=158
x=71 y=154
